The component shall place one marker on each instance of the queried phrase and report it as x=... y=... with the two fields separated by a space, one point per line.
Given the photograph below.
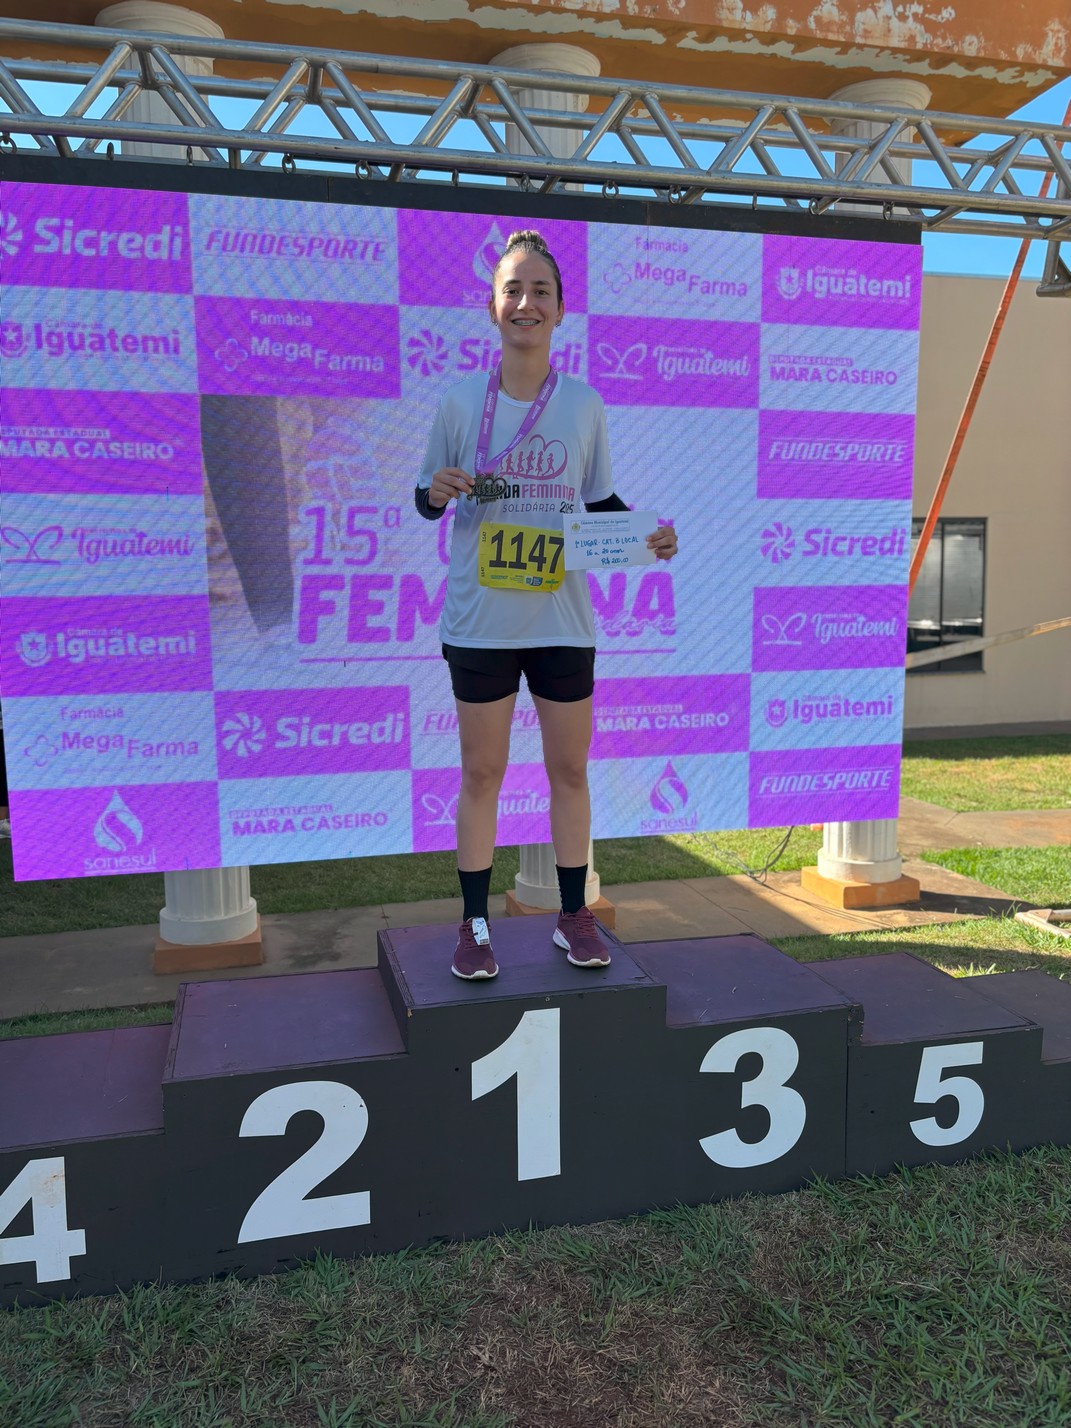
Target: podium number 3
x=785 y=1107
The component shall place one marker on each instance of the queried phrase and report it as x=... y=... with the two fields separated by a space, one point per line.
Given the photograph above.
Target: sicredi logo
x=810 y=711
x=288 y=244
x=777 y=543
x=66 y=339
x=245 y=734
x=429 y=354
x=86 y=646
x=53 y=234
x=807 y=367
x=10 y=235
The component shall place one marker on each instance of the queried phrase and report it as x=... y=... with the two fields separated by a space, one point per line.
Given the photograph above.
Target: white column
x=536 y=885
x=866 y=852
x=205 y=906
x=151 y=108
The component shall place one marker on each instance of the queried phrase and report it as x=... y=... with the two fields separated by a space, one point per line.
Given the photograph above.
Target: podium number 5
x=933 y=1086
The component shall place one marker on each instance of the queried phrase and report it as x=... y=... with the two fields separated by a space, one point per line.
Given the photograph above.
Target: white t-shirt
x=563 y=462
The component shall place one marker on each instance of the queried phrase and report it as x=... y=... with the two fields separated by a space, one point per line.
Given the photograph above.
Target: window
x=947 y=604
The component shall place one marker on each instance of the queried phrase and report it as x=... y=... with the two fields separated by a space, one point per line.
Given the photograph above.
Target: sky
x=942 y=253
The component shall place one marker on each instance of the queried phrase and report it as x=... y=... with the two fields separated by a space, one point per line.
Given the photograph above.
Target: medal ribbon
x=488 y=466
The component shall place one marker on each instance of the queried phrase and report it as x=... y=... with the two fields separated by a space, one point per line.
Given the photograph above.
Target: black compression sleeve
x=422 y=496
x=613 y=502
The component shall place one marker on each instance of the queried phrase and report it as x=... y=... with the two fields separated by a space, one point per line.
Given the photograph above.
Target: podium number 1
x=532 y=1053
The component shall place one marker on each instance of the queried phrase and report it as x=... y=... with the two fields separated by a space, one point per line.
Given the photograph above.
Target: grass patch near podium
x=77 y=904
x=973 y=775
x=1042 y=875
x=932 y=1296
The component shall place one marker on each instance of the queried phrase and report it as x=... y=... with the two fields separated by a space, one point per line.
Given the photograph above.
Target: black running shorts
x=562 y=673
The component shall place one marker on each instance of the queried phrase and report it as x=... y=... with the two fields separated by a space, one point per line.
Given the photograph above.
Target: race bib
x=520 y=558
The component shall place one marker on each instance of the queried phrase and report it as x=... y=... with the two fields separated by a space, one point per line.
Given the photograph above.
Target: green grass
x=1040 y=875
x=74 y=904
x=970 y=775
x=933 y=1298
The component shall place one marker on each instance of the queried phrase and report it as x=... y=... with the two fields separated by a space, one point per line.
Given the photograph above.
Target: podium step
x=364 y=1111
x=755 y=1065
x=939 y=1072
x=81 y=1162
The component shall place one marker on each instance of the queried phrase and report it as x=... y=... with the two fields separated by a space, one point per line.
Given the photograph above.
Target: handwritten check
x=608 y=540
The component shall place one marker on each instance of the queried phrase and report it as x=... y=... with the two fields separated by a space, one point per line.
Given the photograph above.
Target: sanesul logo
x=669 y=797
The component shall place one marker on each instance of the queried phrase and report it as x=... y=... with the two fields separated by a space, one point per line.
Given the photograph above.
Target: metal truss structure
x=949 y=173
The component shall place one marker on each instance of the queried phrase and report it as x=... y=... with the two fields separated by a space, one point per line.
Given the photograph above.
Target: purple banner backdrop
x=283 y=362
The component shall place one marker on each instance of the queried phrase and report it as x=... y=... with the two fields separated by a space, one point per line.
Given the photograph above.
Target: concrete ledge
x=839 y=893
x=172 y=957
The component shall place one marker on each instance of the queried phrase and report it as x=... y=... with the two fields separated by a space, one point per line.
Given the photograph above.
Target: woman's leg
x=484 y=730
x=566 y=733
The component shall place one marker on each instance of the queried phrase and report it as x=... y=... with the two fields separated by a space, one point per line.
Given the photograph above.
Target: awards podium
x=363 y=1111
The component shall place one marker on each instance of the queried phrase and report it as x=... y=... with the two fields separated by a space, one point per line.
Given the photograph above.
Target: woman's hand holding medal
x=449 y=483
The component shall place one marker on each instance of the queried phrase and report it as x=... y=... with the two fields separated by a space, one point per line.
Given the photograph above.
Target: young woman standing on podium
x=516 y=450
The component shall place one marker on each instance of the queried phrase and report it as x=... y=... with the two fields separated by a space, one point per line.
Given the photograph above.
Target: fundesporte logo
x=243 y=734
x=427 y=353
x=118 y=829
x=11 y=235
x=778 y=543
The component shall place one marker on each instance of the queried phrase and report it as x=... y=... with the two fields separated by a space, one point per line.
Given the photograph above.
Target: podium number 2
x=41 y=1184
x=785 y=1107
x=933 y=1086
x=532 y=1053
x=283 y=1207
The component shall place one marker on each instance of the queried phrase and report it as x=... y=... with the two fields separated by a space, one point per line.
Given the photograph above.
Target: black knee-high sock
x=475 y=888
x=571 y=883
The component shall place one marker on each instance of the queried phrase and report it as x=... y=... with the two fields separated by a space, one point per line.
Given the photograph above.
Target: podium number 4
x=41 y=1184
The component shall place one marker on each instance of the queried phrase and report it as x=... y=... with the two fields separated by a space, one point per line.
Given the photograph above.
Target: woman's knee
x=482 y=775
x=568 y=774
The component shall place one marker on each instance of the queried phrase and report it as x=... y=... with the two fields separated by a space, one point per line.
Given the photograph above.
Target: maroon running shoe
x=473 y=957
x=578 y=934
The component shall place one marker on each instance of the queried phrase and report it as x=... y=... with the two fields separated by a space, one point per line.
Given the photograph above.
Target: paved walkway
x=112 y=967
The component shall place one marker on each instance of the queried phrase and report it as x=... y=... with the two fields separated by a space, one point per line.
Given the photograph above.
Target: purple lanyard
x=485 y=467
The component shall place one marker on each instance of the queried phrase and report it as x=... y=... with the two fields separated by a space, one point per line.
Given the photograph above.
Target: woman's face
x=525 y=306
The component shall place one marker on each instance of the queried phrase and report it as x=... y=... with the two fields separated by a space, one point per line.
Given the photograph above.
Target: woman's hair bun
x=528 y=238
